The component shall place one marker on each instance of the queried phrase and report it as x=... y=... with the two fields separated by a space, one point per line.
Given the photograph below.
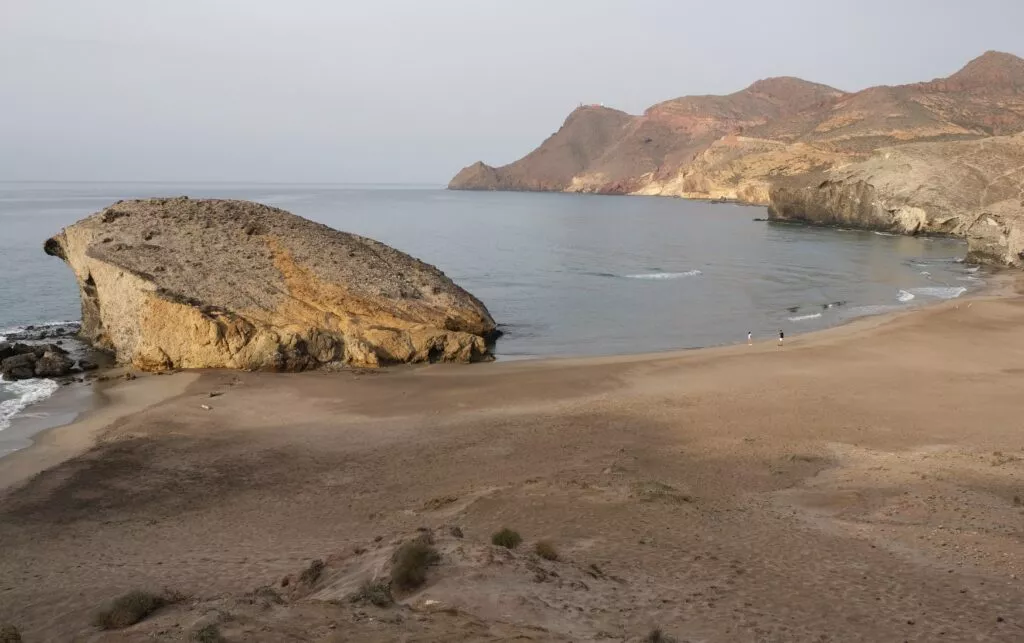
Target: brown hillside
x=738 y=145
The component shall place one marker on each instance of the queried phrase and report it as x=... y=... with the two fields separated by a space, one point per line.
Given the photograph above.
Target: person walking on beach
x=750 y=338
x=782 y=336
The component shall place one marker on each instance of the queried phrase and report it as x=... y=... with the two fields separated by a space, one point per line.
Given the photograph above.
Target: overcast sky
x=411 y=91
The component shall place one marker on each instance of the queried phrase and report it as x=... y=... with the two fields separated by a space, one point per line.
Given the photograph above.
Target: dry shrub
x=9 y=633
x=410 y=563
x=208 y=634
x=375 y=593
x=128 y=610
x=546 y=550
x=506 y=538
x=312 y=573
x=657 y=636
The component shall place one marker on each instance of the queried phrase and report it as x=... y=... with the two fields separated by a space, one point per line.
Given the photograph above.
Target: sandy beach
x=863 y=483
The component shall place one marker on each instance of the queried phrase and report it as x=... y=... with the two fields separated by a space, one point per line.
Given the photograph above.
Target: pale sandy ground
x=861 y=484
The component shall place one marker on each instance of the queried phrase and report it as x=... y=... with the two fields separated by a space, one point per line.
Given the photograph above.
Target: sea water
x=563 y=274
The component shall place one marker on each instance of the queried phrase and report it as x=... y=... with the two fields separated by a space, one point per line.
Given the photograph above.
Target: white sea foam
x=972 y=269
x=26 y=392
x=877 y=309
x=11 y=330
x=886 y=234
x=940 y=292
x=970 y=278
x=805 y=317
x=905 y=296
x=926 y=273
x=665 y=275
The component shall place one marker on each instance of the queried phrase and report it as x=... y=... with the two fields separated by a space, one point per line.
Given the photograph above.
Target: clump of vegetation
x=657 y=636
x=128 y=610
x=506 y=538
x=9 y=633
x=312 y=573
x=546 y=550
x=208 y=634
x=410 y=563
x=375 y=593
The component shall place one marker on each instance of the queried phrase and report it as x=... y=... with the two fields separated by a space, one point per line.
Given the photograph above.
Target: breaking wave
x=665 y=275
x=940 y=292
x=24 y=392
x=805 y=317
x=904 y=296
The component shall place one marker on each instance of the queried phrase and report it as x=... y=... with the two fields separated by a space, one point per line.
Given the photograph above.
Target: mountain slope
x=776 y=131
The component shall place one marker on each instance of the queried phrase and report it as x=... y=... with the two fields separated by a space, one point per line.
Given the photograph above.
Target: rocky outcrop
x=973 y=189
x=23 y=361
x=183 y=283
x=776 y=132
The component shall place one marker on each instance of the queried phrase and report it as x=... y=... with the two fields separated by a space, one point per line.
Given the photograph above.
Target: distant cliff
x=808 y=149
x=973 y=189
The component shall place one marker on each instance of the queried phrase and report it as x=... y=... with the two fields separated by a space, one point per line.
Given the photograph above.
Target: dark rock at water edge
x=37 y=333
x=87 y=365
x=19 y=367
x=23 y=361
x=53 y=365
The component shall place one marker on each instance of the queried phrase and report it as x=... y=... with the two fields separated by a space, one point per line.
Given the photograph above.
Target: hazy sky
x=410 y=91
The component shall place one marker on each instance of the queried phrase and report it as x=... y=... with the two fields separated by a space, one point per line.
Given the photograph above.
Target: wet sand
x=863 y=483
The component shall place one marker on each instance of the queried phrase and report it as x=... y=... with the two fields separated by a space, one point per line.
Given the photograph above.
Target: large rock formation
x=776 y=131
x=973 y=189
x=181 y=283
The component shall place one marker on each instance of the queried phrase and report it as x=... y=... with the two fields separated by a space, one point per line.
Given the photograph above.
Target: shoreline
x=869 y=473
x=69 y=428
x=107 y=402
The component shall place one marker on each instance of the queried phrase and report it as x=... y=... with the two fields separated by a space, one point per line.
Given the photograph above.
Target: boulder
x=42 y=349
x=19 y=367
x=6 y=350
x=183 y=283
x=53 y=365
x=87 y=365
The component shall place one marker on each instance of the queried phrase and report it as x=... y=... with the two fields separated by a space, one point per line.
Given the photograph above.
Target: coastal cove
x=561 y=274
x=564 y=275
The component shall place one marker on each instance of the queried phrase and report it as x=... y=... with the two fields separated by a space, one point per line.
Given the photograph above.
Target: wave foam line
x=28 y=392
x=665 y=275
x=950 y=292
x=805 y=317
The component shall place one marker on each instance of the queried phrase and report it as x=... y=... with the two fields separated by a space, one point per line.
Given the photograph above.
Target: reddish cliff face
x=777 y=129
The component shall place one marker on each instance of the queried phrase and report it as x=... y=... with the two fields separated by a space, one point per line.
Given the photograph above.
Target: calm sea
x=562 y=274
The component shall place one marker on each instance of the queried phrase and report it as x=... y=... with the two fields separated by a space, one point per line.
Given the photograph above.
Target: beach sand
x=863 y=483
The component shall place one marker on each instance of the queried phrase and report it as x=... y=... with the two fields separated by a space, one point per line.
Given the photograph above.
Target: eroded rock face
x=183 y=283
x=972 y=189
